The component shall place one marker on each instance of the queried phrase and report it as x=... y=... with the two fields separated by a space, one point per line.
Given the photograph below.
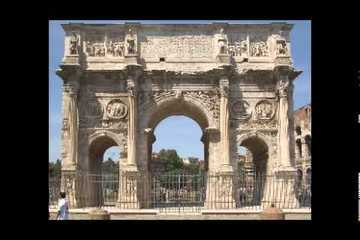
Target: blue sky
x=178 y=132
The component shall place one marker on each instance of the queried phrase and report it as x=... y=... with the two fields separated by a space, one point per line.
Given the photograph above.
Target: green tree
x=172 y=160
x=55 y=168
x=109 y=167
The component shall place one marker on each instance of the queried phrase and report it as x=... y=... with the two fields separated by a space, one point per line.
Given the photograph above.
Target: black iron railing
x=180 y=192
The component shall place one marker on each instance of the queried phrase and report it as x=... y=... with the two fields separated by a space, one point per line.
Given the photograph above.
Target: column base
x=279 y=189
x=220 y=190
x=71 y=183
x=129 y=190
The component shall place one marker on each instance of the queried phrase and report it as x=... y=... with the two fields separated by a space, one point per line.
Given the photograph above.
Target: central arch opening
x=178 y=155
x=178 y=147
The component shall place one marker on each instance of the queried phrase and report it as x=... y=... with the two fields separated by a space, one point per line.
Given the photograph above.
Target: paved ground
x=153 y=215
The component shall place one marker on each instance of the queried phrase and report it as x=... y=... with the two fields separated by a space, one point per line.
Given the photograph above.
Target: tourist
x=63 y=208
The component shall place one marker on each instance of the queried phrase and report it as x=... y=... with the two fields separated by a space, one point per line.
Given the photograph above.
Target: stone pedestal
x=71 y=60
x=224 y=58
x=282 y=61
x=132 y=59
x=220 y=191
x=70 y=184
x=128 y=188
x=279 y=190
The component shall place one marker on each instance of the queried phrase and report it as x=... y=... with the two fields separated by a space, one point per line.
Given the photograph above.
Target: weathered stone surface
x=120 y=81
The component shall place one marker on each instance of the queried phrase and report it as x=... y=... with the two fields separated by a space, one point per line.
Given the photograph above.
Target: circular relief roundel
x=264 y=110
x=116 y=109
x=241 y=109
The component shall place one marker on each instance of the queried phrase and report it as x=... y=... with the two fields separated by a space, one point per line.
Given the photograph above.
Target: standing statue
x=131 y=42
x=222 y=42
x=73 y=44
x=281 y=48
x=111 y=49
x=243 y=47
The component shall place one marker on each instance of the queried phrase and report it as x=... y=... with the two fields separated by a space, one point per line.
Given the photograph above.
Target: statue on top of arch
x=74 y=44
x=131 y=42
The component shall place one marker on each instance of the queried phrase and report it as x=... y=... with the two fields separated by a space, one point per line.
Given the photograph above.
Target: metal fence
x=184 y=192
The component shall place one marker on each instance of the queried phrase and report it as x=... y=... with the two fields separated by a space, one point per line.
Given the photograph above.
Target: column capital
x=284 y=87
x=224 y=86
x=69 y=73
x=72 y=88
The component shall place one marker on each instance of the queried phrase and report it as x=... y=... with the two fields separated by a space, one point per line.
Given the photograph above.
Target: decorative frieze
x=104 y=45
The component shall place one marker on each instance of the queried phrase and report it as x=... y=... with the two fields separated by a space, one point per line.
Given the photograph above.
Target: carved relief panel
x=253 y=114
x=259 y=44
x=280 y=45
x=240 y=109
x=264 y=110
x=103 y=109
x=238 y=44
x=116 y=109
x=209 y=99
x=104 y=45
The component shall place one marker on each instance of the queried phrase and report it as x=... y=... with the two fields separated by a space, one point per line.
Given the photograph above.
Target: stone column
x=280 y=189
x=305 y=149
x=132 y=129
x=70 y=126
x=224 y=126
x=220 y=184
x=129 y=175
x=297 y=152
x=284 y=127
x=70 y=180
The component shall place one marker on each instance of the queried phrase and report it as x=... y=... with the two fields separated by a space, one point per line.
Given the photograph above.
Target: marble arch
x=122 y=79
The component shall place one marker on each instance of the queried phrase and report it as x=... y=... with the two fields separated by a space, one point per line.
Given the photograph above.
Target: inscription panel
x=175 y=45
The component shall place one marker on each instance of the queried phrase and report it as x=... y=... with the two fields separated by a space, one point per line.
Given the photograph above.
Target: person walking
x=63 y=207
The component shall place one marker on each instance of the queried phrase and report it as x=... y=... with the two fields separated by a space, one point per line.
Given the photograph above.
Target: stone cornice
x=69 y=73
x=289 y=71
x=210 y=26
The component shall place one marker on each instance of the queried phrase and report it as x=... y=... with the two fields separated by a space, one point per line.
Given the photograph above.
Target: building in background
x=302 y=126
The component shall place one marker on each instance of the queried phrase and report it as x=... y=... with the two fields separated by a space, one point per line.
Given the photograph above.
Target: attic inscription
x=197 y=46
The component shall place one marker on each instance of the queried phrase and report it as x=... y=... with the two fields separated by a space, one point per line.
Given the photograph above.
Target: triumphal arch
x=121 y=80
